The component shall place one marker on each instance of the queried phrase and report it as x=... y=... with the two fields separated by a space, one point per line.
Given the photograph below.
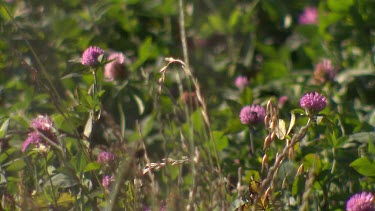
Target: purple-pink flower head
x=42 y=123
x=32 y=138
x=309 y=16
x=115 y=69
x=283 y=100
x=313 y=103
x=42 y=133
x=252 y=115
x=90 y=56
x=105 y=157
x=324 y=71
x=241 y=82
x=361 y=202
x=107 y=181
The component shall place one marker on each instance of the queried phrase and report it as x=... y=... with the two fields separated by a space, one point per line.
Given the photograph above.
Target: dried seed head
x=273 y=126
x=291 y=154
x=264 y=162
x=267 y=120
x=300 y=170
x=267 y=142
x=287 y=142
x=269 y=106
x=273 y=136
x=284 y=184
x=268 y=192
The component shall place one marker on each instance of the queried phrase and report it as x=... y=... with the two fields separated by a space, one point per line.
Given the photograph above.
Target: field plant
x=187 y=105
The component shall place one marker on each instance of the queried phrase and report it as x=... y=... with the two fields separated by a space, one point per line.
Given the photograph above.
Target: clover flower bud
x=309 y=16
x=324 y=71
x=282 y=101
x=105 y=157
x=107 y=181
x=241 y=82
x=115 y=69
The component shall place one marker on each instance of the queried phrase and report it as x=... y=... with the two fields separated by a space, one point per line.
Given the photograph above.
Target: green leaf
x=312 y=161
x=93 y=166
x=145 y=51
x=247 y=96
x=62 y=181
x=65 y=200
x=298 y=185
x=7 y=153
x=197 y=120
x=234 y=106
x=234 y=20
x=217 y=22
x=4 y=128
x=364 y=166
x=234 y=126
x=340 y=6
x=146 y=124
x=221 y=140
x=85 y=99
x=371 y=147
x=298 y=111
x=16 y=165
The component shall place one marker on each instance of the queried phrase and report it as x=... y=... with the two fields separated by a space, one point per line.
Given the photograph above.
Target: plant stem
x=252 y=140
x=95 y=84
x=50 y=180
x=279 y=159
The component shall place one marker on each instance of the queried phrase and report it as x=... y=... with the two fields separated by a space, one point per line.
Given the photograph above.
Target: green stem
x=50 y=180
x=252 y=140
x=94 y=92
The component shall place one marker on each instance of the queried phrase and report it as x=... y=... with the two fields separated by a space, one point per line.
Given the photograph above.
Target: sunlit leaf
x=88 y=127
x=292 y=122
x=93 y=166
x=340 y=6
x=280 y=130
x=16 y=165
x=364 y=166
x=140 y=104
x=221 y=140
x=4 y=128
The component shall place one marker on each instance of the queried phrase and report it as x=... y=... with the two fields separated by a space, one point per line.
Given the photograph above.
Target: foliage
x=172 y=125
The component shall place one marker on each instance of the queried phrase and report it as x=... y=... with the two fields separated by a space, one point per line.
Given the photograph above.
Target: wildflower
x=43 y=129
x=43 y=123
x=324 y=71
x=107 y=181
x=105 y=157
x=252 y=115
x=313 y=103
x=115 y=69
x=361 y=202
x=241 y=82
x=91 y=55
x=282 y=101
x=309 y=16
